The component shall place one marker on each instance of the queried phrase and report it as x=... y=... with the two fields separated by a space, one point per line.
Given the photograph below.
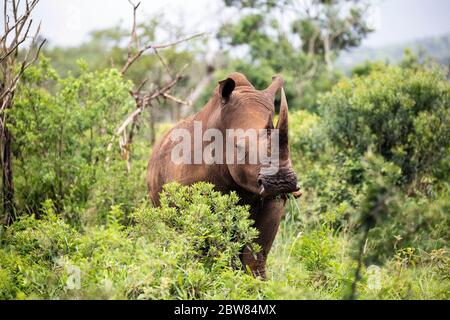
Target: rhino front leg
x=267 y=219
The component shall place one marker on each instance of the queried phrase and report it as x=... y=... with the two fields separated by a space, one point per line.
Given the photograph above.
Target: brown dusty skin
x=234 y=104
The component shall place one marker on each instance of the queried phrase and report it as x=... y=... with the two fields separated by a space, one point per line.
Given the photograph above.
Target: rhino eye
x=240 y=146
x=241 y=152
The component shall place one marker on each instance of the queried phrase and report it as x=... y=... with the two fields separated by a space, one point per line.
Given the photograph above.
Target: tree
x=297 y=38
x=142 y=96
x=17 y=23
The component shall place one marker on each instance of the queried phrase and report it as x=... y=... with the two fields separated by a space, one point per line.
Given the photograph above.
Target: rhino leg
x=267 y=219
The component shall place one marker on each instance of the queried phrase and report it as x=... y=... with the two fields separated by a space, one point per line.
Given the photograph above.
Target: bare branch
x=18 y=25
x=133 y=37
x=8 y=28
x=171 y=44
x=177 y=100
x=139 y=88
x=5 y=17
x=9 y=61
x=25 y=64
x=162 y=61
x=135 y=51
x=132 y=59
x=146 y=101
x=16 y=43
x=10 y=88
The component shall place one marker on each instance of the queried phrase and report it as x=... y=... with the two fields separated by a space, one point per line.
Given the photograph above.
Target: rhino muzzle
x=283 y=182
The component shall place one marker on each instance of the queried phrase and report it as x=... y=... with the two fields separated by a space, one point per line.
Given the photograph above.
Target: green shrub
x=330 y=180
x=316 y=250
x=305 y=134
x=187 y=248
x=418 y=223
x=89 y=234
x=403 y=113
x=62 y=128
x=398 y=221
x=215 y=227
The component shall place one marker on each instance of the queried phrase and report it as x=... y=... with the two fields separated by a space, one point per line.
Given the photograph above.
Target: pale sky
x=68 y=22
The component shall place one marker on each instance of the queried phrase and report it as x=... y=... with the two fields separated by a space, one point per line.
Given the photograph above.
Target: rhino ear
x=226 y=87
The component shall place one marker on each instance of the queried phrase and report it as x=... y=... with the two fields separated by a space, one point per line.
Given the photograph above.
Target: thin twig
x=133 y=58
x=142 y=103
x=146 y=101
x=162 y=61
x=177 y=100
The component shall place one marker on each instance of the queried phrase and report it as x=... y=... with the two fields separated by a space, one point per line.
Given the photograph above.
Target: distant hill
x=436 y=47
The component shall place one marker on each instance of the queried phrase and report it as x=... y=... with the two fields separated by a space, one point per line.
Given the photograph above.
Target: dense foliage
x=371 y=152
x=401 y=113
x=88 y=232
x=62 y=129
x=188 y=251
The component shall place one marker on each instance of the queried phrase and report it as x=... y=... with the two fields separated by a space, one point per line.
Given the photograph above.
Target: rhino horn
x=282 y=126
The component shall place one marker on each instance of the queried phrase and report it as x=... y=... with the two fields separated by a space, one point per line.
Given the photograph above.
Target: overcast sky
x=68 y=22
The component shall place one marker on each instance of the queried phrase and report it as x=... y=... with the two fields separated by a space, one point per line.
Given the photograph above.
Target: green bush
x=344 y=192
x=86 y=231
x=305 y=134
x=403 y=234
x=187 y=248
x=422 y=224
x=62 y=128
x=403 y=113
x=404 y=223
x=330 y=180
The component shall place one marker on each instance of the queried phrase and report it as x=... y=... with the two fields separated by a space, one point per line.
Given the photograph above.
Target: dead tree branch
x=138 y=51
x=166 y=66
x=132 y=58
x=144 y=99
x=17 y=25
x=177 y=100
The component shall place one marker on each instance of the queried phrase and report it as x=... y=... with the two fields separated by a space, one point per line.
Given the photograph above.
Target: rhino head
x=243 y=107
